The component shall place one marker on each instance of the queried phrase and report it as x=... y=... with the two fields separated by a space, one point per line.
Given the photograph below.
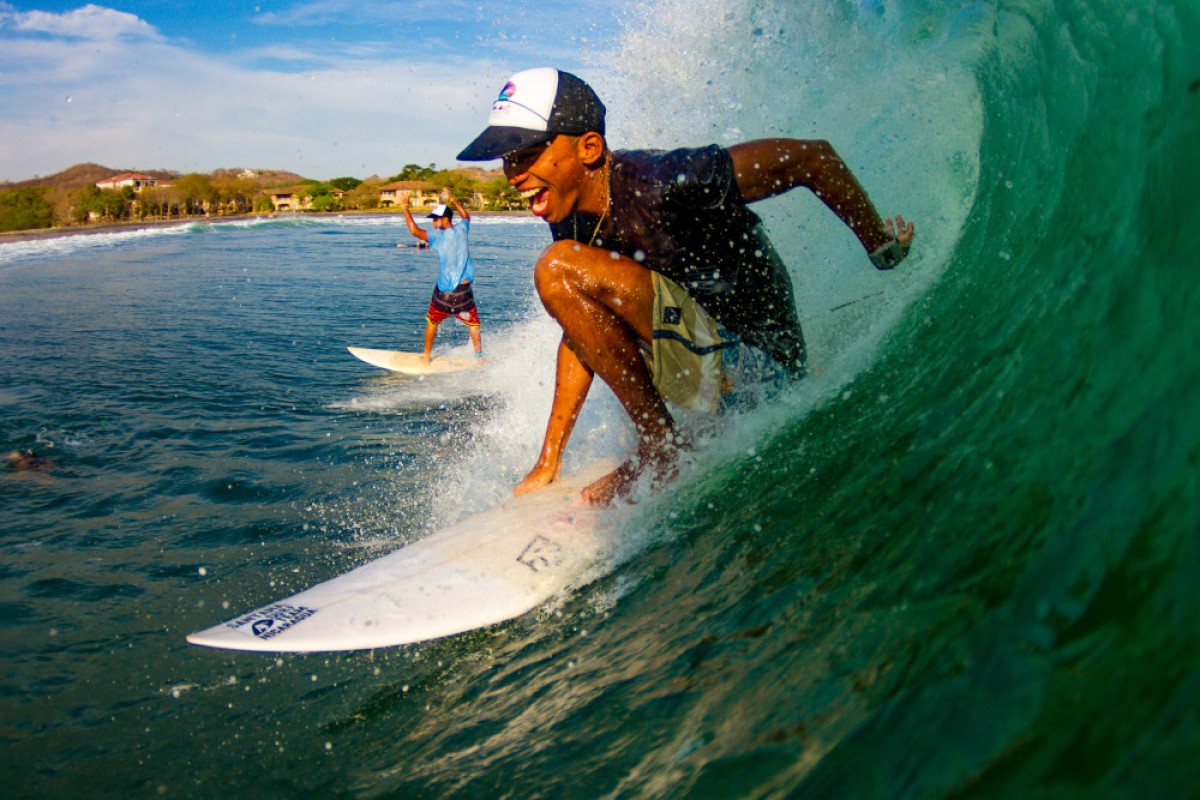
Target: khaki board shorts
x=686 y=361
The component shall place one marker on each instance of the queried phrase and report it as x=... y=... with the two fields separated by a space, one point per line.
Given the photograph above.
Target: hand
x=901 y=232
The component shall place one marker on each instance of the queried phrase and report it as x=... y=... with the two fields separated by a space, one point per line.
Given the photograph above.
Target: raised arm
x=462 y=212
x=768 y=167
x=413 y=228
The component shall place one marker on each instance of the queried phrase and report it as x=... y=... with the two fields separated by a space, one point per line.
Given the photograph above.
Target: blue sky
x=322 y=87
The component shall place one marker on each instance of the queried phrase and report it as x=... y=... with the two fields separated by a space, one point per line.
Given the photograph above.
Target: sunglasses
x=526 y=156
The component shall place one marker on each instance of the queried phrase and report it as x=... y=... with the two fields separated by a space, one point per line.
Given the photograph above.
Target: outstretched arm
x=767 y=167
x=413 y=228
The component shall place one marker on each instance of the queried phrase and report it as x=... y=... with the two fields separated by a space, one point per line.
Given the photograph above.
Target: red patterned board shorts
x=459 y=304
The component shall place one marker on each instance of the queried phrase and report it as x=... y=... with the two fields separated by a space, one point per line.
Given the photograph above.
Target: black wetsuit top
x=682 y=214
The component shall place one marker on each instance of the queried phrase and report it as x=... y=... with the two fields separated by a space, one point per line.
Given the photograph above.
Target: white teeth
x=529 y=194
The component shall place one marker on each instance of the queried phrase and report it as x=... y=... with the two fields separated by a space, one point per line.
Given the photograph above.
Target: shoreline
x=130 y=225
x=111 y=227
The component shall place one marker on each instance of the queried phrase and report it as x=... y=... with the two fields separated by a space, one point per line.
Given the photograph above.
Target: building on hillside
x=290 y=199
x=295 y=198
x=131 y=179
x=411 y=194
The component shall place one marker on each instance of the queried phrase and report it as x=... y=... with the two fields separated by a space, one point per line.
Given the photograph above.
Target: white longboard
x=411 y=363
x=488 y=568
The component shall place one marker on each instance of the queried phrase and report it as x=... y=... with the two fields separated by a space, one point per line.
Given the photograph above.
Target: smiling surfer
x=658 y=250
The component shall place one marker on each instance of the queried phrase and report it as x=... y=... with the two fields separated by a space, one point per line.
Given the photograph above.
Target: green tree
x=196 y=193
x=90 y=203
x=345 y=184
x=82 y=202
x=460 y=186
x=326 y=201
x=499 y=194
x=235 y=194
x=25 y=209
x=363 y=197
x=320 y=196
x=411 y=172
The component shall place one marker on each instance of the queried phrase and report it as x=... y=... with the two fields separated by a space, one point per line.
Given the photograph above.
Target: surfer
x=452 y=296
x=637 y=231
x=28 y=461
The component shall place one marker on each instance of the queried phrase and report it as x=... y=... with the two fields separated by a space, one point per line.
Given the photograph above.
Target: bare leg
x=476 y=339
x=605 y=305
x=430 y=332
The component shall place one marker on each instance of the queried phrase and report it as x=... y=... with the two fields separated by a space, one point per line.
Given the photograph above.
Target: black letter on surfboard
x=539 y=554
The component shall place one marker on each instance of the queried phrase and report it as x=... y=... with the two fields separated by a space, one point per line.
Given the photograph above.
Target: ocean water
x=960 y=559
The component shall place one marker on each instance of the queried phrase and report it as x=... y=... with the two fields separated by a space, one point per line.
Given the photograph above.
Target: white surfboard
x=486 y=569
x=411 y=364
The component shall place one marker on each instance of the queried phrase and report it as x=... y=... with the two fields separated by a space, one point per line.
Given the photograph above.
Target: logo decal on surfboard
x=269 y=622
x=540 y=553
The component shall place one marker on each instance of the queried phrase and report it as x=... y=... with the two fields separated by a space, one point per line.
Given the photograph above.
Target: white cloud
x=88 y=22
x=324 y=12
x=512 y=16
x=162 y=106
x=105 y=86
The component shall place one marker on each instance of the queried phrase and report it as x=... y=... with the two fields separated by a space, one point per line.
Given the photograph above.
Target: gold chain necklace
x=604 y=213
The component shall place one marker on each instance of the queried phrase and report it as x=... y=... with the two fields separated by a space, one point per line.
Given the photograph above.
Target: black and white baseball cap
x=535 y=106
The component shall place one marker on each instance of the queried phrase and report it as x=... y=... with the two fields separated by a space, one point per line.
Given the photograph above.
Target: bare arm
x=768 y=167
x=572 y=380
x=413 y=228
x=462 y=212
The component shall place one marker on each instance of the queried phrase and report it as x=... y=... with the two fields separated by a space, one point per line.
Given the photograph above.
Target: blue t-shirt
x=454 y=255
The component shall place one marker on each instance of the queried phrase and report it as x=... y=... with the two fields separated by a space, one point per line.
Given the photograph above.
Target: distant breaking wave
x=84 y=241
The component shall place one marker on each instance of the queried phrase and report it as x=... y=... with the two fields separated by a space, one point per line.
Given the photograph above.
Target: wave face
x=964 y=563
x=971 y=570
x=959 y=561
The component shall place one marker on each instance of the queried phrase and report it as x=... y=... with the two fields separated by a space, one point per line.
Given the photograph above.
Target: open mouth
x=538 y=199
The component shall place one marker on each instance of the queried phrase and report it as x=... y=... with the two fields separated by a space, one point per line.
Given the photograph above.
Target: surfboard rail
x=485 y=569
x=411 y=363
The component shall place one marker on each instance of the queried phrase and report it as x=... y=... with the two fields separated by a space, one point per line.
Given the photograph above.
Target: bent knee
x=556 y=266
x=558 y=258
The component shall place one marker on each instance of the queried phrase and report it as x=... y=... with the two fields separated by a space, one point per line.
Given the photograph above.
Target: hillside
x=88 y=174
x=81 y=175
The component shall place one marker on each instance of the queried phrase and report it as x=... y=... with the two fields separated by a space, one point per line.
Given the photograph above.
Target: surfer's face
x=549 y=176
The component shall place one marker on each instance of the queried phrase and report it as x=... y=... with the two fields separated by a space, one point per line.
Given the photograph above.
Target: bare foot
x=538 y=477
x=425 y=358
x=621 y=481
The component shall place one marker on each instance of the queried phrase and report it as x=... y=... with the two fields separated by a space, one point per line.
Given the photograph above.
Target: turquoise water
x=960 y=559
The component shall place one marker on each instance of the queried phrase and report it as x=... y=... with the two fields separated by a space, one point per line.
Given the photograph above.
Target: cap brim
x=497 y=141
